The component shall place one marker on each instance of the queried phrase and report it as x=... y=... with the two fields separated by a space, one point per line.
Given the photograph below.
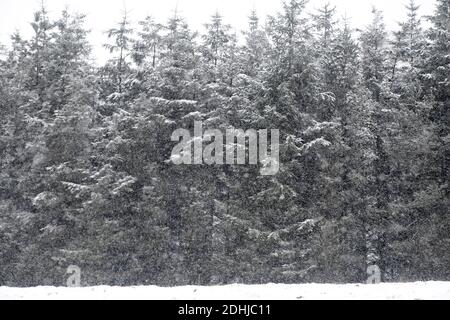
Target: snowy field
x=404 y=291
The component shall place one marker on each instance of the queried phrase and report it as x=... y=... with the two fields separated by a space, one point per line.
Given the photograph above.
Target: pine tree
x=216 y=42
x=256 y=46
x=325 y=25
x=407 y=56
x=118 y=70
x=149 y=42
x=373 y=42
x=70 y=55
x=39 y=50
x=179 y=62
x=291 y=57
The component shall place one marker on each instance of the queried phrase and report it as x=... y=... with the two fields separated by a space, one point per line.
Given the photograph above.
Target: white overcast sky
x=102 y=14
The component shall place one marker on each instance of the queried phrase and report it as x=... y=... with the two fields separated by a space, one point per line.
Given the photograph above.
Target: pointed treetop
x=253 y=20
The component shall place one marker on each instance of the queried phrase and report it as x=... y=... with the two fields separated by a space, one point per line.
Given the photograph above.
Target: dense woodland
x=85 y=170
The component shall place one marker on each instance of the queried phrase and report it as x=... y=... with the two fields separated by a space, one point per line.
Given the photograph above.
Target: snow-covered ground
x=400 y=291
